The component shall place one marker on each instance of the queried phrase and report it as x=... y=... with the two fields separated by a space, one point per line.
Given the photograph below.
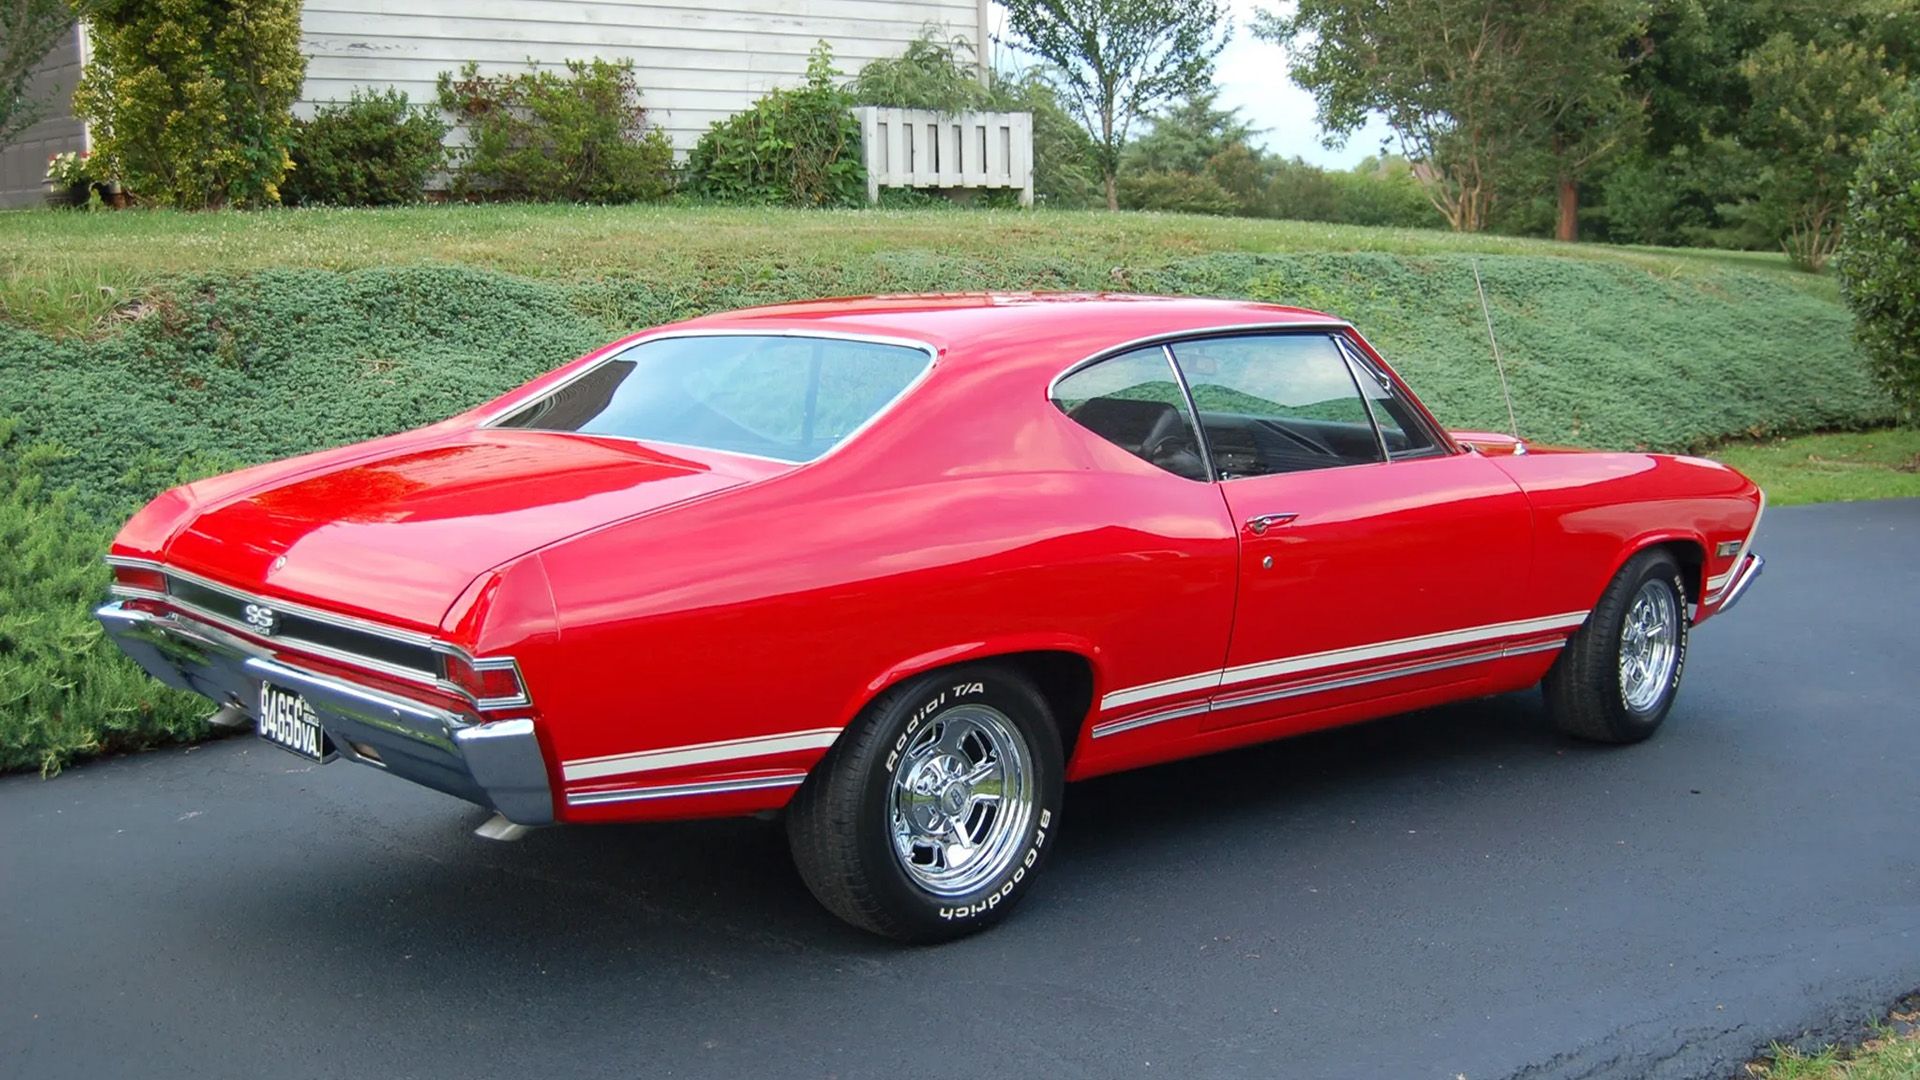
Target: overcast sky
x=1253 y=78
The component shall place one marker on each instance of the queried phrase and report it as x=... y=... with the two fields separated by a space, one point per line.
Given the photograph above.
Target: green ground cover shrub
x=64 y=689
x=578 y=137
x=375 y=150
x=211 y=372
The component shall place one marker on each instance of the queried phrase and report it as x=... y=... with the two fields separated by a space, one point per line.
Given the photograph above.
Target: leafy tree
x=1813 y=110
x=1483 y=93
x=1066 y=163
x=1119 y=60
x=1195 y=157
x=28 y=31
x=1876 y=262
x=190 y=100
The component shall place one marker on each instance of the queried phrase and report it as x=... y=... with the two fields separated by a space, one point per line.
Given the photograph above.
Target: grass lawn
x=61 y=271
x=1840 y=467
x=1886 y=1056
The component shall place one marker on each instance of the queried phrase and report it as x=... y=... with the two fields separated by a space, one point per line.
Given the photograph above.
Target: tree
x=1813 y=110
x=1195 y=157
x=190 y=100
x=1876 y=262
x=1482 y=94
x=1119 y=60
x=28 y=31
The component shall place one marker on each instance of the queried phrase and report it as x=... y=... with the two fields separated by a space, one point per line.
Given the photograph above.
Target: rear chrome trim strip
x=297 y=644
x=1115 y=727
x=671 y=757
x=678 y=791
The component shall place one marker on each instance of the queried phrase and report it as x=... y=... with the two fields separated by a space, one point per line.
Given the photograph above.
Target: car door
x=1374 y=560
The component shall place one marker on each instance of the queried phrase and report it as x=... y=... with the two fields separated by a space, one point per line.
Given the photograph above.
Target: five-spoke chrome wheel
x=1649 y=645
x=961 y=799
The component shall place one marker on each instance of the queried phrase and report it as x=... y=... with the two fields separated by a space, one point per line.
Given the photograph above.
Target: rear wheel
x=929 y=818
x=1619 y=674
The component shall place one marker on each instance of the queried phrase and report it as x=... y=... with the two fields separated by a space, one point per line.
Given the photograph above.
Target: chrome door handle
x=1259 y=525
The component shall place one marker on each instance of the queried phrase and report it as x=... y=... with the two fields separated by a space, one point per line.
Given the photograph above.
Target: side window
x=1276 y=403
x=1405 y=433
x=1133 y=401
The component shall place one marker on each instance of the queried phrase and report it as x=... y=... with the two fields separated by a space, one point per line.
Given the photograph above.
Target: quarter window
x=1276 y=403
x=1134 y=402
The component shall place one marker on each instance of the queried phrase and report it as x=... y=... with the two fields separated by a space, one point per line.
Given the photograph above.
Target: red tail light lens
x=491 y=680
x=140 y=577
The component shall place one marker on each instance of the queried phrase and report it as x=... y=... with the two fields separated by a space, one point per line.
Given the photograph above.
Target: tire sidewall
x=1665 y=570
x=919 y=705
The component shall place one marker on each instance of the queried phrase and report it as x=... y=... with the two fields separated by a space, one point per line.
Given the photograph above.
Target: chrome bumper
x=1750 y=568
x=495 y=764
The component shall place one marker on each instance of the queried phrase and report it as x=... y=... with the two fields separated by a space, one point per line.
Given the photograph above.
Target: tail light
x=492 y=682
x=143 y=578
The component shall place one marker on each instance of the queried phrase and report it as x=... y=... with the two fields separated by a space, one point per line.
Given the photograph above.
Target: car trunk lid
x=397 y=537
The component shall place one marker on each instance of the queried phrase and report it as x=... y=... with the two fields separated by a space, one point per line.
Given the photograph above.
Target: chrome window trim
x=1436 y=444
x=1173 y=337
x=347 y=622
x=492 y=419
x=1193 y=413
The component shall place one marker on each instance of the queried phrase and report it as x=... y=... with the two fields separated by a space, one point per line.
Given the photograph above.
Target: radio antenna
x=1498 y=365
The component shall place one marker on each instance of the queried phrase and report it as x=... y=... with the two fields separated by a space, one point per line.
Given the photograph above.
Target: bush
x=931 y=74
x=189 y=100
x=1377 y=192
x=581 y=137
x=376 y=150
x=1182 y=192
x=797 y=147
x=1879 y=258
x=65 y=690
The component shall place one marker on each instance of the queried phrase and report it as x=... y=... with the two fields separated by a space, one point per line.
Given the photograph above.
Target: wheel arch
x=1064 y=669
x=1688 y=548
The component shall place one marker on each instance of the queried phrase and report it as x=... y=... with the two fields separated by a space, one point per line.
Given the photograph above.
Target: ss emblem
x=262 y=618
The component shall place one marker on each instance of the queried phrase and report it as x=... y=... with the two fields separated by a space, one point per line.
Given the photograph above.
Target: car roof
x=1046 y=327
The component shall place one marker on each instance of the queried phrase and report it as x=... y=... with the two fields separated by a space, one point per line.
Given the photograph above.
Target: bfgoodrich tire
x=931 y=816
x=1619 y=674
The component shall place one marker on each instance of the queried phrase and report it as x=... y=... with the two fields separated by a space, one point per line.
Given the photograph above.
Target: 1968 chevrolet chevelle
x=901 y=567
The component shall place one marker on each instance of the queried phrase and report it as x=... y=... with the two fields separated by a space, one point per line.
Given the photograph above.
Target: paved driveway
x=1455 y=892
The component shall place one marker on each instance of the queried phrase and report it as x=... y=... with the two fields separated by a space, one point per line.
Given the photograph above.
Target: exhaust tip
x=498 y=827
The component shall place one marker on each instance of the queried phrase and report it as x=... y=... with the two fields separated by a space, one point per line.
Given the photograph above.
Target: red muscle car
x=901 y=567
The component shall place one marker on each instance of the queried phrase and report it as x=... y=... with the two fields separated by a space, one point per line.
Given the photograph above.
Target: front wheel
x=929 y=818
x=1620 y=672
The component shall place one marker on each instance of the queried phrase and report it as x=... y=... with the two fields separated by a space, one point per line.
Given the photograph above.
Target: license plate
x=287 y=721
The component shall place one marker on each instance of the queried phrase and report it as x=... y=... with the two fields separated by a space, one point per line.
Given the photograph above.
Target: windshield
x=783 y=397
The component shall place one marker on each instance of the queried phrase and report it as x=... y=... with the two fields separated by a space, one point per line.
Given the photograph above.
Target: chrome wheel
x=961 y=800
x=1649 y=645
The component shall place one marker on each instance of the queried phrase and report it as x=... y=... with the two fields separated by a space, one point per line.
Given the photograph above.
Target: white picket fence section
x=920 y=148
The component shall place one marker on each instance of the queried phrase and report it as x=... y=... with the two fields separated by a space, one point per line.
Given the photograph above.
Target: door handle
x=1259 y=525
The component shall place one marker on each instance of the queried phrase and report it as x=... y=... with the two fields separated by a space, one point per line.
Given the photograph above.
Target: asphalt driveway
x=1455 y=892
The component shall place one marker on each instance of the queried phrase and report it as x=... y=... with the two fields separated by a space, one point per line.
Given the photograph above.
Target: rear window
x=783 y=397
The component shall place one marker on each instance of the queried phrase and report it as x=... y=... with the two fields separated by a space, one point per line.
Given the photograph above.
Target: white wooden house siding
x=23 y=162
x=695 y=62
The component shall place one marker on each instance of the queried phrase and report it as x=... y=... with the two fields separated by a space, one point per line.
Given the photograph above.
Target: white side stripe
x=698 y=754
x=1293 y=665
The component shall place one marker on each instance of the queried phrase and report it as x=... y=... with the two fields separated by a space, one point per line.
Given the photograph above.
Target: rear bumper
x=495 y=764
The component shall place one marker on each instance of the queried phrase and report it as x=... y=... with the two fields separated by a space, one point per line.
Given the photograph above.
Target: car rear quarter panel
x=786 y=605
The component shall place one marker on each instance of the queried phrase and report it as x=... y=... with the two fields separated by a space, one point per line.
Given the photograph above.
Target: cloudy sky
x=1253 y=77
